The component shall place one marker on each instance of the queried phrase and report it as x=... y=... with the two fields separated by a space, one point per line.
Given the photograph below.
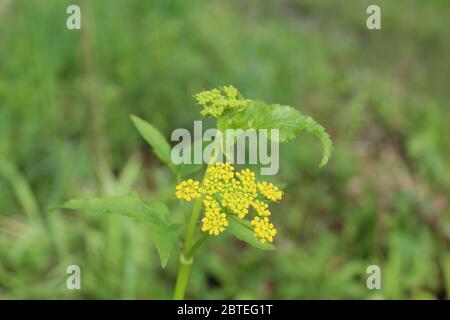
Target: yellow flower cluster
x=261 y=208
x=217 y=177
x=236 y=199
x=188 y=190
x=269 y=191
x=216 y=101
x=228 y=192
x=264 y=230
x=248 y=181
x=239 y=193
x=215 y=220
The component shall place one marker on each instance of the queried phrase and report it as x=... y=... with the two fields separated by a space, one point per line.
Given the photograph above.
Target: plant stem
x=197 y=244
x=186 y=255
x=190 y=233
x=189 y=247
x=182 y=278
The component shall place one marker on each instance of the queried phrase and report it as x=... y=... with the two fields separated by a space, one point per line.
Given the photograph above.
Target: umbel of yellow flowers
x=228 y=192
x=216 y=101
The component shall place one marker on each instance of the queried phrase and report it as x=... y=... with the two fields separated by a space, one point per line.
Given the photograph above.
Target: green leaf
x=159 y=144
x=164 y=237
x=162 y=148
x=163 y=233
x=263 y=116
x=316 y=129
x=130 y=205
x=289 y=121
x=243 y=230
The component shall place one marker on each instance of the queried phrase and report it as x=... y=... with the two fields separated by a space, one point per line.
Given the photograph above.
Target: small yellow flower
x=217 y=177
x=248 y=180
x=230 y=91
x=234 y=200
x=239 y=193
x=215 y=221
x=270 y=191
x=264 y=230
x=216 y=101
x=261 y=208
x=207 y=96
x=188 y=190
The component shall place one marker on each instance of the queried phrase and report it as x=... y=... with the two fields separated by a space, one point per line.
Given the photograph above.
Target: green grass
x=65 y=101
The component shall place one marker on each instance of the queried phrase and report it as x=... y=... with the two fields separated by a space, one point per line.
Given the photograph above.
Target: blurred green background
x=65 y=101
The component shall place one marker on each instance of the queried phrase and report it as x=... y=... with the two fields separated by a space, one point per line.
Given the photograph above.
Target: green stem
x=187 y=253
x=197 y=244
x=189 y=248
x=182 y=278
x=192 y=226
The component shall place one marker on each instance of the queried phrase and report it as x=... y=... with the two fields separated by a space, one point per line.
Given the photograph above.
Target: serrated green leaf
x=289 y=121
x=156 y=140
x=316 y=129
x=130 y=205
x=163 y=233
x=263 y=116
x=242 y=230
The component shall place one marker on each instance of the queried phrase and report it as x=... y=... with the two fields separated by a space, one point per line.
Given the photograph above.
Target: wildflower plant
x=225 y=199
